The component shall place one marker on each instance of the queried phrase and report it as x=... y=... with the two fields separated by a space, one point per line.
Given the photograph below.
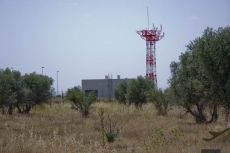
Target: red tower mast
x=151 y=36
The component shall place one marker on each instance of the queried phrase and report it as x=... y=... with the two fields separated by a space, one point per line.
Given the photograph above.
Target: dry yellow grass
x=59 y=129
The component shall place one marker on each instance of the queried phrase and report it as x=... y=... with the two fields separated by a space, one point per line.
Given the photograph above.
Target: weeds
x=102 y=124
x=111 y=134
x=160 y=138
x=60 y=129
x=107 y=128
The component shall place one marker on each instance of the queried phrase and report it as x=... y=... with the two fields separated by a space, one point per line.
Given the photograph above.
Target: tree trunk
x=214 y=114
x=27 y=109
x=198 y=115
x=10 y=109
x=200 y=118
x=227 y=114
x=85 y=114
x=3 y=110
x=19 y=109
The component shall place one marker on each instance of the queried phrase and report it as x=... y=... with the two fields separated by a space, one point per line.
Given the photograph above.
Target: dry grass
x=59 y=129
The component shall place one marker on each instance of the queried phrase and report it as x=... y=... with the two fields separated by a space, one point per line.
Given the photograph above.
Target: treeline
x=200 y=80
x=22 y=92
x=140 y=91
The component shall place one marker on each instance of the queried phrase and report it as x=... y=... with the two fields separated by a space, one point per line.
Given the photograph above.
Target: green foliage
x=141 y=90
x=8 y=89
x=102 y=124
x=110 y=133
x=159 y=98
x=81 y=101
x=107 y=128
x=200 y=78
x=35 y=90
x=159 y=138
x=137 y=91
x=75 y=95
x=176 y=133
x=110 y=136
x=214 y=51
x=134 y=92
x=121 y=92
x=188 y=83
x=22 y=92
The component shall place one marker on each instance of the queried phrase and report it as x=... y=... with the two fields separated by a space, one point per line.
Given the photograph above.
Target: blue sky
x=87 y=39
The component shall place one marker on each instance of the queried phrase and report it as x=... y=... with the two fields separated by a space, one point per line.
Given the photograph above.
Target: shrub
x=107 y=128
x=138 y=90
x=121 y=92
x=160 y=138
x=134 y=92
x=81 y=101
x=159 y=98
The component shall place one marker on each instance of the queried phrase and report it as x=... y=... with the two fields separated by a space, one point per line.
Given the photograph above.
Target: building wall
x=104 y=87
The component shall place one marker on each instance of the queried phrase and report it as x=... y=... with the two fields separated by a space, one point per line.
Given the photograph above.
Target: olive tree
x=134 y=91
x=35 y=90
x=160 y=99
x=22 y=92
x=138 y=90
x=213 y=49
x=120 y=92
x=188 y=87
x=8 y=90
x=80 y=100
x=200 y=79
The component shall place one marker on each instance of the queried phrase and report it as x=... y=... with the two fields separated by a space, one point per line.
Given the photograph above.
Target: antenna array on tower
x=151 y=36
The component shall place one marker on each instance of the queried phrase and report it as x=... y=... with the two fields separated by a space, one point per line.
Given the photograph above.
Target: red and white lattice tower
x=151 y=36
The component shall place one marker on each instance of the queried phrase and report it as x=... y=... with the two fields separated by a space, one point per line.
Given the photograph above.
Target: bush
x=134 y=92
x=160 y=138
x=121 y=92
x=107 y=128
x=80 y=101
x=159 y=98
x=137 y=91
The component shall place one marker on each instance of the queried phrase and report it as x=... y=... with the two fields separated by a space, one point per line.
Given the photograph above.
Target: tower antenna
x=148 y=16
x=151 y=36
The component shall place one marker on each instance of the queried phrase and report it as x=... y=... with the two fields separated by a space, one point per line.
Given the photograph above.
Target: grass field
x=60 y=129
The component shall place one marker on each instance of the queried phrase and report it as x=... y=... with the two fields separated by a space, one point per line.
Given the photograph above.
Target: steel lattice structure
x=151 y=36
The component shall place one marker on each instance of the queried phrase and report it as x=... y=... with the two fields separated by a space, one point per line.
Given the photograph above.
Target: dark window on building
x=87 y=92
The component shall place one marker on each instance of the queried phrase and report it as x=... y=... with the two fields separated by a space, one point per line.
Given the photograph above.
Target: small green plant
x=81 y=101
x=101 y=116
x=107 y=128
x=161 y=138
x=110 y=137
x=177 y=133
x=111 y=134
x=159 y=98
